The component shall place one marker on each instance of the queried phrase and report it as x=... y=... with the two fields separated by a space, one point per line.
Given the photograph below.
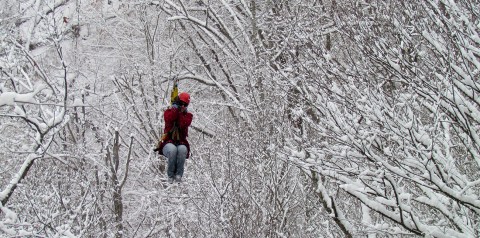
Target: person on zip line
x=174 y=144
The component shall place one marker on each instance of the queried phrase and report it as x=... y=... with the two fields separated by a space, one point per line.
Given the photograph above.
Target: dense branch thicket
x=311 y=118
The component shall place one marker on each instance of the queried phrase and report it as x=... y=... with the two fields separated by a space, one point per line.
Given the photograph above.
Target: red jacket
x=182 y=120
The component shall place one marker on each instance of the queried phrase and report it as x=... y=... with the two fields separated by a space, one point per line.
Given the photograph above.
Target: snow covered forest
x=312 y=118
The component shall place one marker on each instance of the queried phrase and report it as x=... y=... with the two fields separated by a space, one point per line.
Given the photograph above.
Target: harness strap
x=174 y=133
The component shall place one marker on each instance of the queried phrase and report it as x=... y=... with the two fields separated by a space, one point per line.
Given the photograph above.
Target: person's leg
x=181 y=157
x=170 y=151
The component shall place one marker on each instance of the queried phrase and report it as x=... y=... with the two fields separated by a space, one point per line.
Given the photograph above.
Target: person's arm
x=184 y=119
x=170 y=116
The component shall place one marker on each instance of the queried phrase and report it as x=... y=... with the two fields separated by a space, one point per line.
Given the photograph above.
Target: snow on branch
x=12 y=98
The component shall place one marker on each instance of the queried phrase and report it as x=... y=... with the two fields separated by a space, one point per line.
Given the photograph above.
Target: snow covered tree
x=33 y=93
x=396 y=112
x=311 y=118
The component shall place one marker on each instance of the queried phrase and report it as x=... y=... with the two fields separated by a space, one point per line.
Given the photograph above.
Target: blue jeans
x=176 y=159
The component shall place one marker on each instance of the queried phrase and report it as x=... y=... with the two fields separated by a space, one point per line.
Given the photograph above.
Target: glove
x=178 y=107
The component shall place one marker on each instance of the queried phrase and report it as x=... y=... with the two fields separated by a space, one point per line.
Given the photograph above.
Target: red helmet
x=184 y=97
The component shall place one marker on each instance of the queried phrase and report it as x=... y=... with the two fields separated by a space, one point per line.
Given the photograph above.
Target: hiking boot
x=178 y=179
x=170 y=179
